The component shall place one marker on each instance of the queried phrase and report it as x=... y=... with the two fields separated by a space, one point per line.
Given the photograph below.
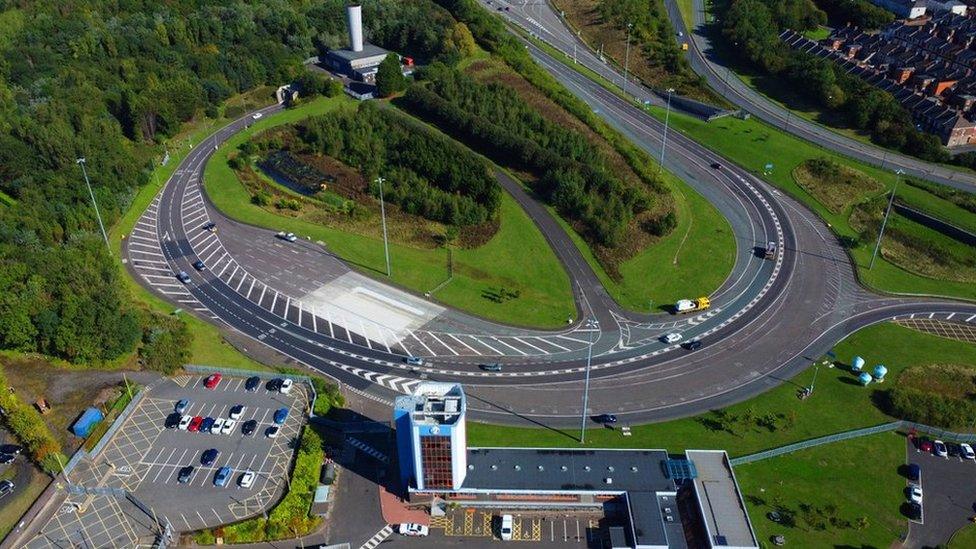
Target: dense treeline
x=860 y=13
x=427 y=173
x=572 y=174
x=111 y=81
x=752 y=27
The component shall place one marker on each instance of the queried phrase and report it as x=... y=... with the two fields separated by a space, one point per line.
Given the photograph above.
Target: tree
x=460 y=40
x=389 y=77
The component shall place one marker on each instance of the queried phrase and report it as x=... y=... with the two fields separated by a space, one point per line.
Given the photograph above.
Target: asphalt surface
x=948 y=500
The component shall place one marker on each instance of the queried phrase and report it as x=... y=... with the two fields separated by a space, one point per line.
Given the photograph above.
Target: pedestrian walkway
x=396 y=511
x=378 y=538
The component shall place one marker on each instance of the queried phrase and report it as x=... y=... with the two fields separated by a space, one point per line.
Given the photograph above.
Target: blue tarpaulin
x=88 y=420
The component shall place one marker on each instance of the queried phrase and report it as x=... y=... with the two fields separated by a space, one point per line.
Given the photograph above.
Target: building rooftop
x=369 y=50
x=433 y=403
x=545 y=470
x=724 y=513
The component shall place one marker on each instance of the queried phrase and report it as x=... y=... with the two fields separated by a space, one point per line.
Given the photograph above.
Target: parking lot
x=949 y=500
x=144 y=458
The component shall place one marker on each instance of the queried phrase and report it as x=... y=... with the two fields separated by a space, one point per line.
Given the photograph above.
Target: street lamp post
x=592 y=324
x=81 y=162
x=664 y=139
x=627 y=56
x=884 y=222
x=386 y=242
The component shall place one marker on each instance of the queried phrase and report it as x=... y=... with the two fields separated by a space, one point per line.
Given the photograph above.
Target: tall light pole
x=627 y=56
x=386 y=243
x=592 y=324
x=664 y=139
x=81 y=162
x=884 y=222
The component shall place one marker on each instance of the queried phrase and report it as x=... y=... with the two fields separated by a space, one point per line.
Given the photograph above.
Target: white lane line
x=572 y=339
x=455 y=338
x=433 y=335
x=264 y=288
x=365 y=334
x=520 y=340
x=429 y=350
x=250 y=288
x=547 y=342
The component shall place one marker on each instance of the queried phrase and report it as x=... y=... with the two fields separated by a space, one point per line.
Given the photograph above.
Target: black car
x=185 y=474
x=494 y=367
x=6 y=458
x=692 y=345
x=914 y=511
x=274 y=385
x=606 y=418
x=11 y=449
x=210 y=226
x=198 y=265
x=716 y=166
x=209 y=457
x=914 y=472
x=249 y=426
x=252 y=383
x=173 y=420
x=953 y=449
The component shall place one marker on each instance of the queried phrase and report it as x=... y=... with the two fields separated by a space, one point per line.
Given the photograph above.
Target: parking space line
x=452 y=336
x=446 y=346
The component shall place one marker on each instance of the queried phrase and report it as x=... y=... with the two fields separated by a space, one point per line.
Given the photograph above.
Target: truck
x=690 y=306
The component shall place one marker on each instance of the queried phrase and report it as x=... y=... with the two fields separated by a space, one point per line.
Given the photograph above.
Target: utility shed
x=83 y=426
x=722 y=510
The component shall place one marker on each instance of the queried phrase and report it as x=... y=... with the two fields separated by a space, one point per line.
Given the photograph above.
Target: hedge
x=27 y=425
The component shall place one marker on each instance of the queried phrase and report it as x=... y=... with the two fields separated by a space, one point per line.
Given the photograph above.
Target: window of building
x=435 y=454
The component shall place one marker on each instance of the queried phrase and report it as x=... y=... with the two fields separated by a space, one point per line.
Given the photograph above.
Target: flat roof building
x=360 y=59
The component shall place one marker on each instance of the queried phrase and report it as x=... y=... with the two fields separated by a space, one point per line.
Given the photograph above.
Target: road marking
x=433 y=335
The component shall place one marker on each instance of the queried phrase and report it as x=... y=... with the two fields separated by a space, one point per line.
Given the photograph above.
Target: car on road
x=915 y=493
x=272 y=432
x=181 y=406
x=6 y=487
x=256 y=115
x=185 y=474
x=967 y=451
x=236 y=411
x=252 y=384
x=493 y=367
x=925 y=445
x=716 y=166
x=247 y=479
x=692 y=345
x=212 y=381
x=183 y=277
x=940 y=449
x=506 y=528
x=210 y=226
x=209 y=457
x=6 y=458
x=207 y=424
x=415 y=361
x=217 y=425
x=606 y=418
x=228 y=427
x=173 y=420
x=280 y=415
x=673 y=337
x=249 y=426
x=13 y=449
x=194 y=425
x=222 y=476
x=290 y=237
x=914 y=472
x=286 y=385
x=198 y=265
x=412 y=529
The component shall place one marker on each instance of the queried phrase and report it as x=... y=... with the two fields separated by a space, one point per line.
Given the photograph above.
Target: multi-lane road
x=769 y=319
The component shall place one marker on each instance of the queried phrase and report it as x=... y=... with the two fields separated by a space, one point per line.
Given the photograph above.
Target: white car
x=940 y=449
x=228 y=427
x=256 y=115
x=272 y=432
x=967 y=451
x=236 y=412
x=286 y=385
x=506 y=528
x=673 y=337
x=185 y=422
x=217 y=426
x=247 y=479
x=411 y=529
x=915 y=493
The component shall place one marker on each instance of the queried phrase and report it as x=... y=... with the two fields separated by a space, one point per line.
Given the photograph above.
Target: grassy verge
x=687 y=9
x=545 y=299
x=776 y=417
x=753 y=144
x=114 y=410
x=839 y=495
x=963 y=538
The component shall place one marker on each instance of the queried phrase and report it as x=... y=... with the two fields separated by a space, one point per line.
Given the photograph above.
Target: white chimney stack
x=354 y=16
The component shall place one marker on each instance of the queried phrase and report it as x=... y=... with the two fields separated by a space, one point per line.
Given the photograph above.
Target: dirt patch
x=834 y=185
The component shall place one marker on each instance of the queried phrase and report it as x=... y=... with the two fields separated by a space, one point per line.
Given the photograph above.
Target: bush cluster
x=27 y=425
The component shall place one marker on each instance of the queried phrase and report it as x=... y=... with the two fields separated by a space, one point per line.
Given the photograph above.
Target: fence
x=855 y=433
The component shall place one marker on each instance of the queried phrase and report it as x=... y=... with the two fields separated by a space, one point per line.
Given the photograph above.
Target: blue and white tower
x=431 y=436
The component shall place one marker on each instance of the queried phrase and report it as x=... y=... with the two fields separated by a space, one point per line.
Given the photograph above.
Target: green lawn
x=846 y=494
x=838 y=404
x=546 y=297
x=752 y=144
x=965 y=538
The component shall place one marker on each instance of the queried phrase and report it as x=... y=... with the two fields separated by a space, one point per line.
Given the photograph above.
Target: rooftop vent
x=470 y=467
x=518 y=467
x=634 y=468
x=494 y=467
x=608 y=480
x=610 y=468
x=586 y=468
x=541 y=468
x=564 y=468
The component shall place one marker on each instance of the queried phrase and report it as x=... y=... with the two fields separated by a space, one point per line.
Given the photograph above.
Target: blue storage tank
x=864 y=378
x=879 y=372
x=88 y=420
x=857 y=364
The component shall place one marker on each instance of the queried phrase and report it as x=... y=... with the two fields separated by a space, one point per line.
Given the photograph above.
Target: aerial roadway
x=770 y=318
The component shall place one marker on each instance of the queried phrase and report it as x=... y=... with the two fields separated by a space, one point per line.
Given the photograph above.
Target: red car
x=925 y=445
x=194 y=425
x=212 y=381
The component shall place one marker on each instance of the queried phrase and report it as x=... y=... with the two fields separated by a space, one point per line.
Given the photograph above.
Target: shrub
x=27 y=425
x=165 y=343
x=261 y=198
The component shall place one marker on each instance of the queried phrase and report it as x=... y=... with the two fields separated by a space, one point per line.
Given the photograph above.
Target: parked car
x=217 y=425
x=692 y=345
x=173 y=420
x=13 y=449
x=228 y=427
x=272 y=432
x=6 y=487
x=183 y=277
x=925 y=445
x=6 y=458
x=209 y=457
x=249 y=426
x=252 y=384
x=915 y=511
x=915 y=493
x=210 y=226
x=415 y=361
x=247 y=479
x=412 y=529
x=207 y=424
x=493 y=367
x=198 y=265
x=506 y=528
x=236 y=411
x=194 y=425
x=286 y=385
x=953 y=449
x=606 y=418
x=914 y=472
x=181 y=406
x=212 y=381
x=185 y=474
x=280 y=415
x=222 y=476
x=274 y=384
x=940 y=449
x=967 y=451
x=673 y=337
x=256 y=115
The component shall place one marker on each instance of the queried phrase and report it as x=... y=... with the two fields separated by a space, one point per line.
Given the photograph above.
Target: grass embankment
x=835 y=186
x=752 y=144
x=837 y=495
x=545 y=298
x=964 y=538
x=776 y=417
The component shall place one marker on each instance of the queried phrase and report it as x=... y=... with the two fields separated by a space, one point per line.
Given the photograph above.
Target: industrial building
x=661 y=501
x=360 y=60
